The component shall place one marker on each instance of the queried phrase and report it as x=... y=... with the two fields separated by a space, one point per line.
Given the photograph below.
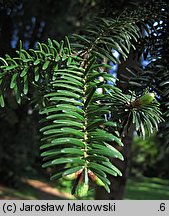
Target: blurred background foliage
x=33 y=21
x=149 y=157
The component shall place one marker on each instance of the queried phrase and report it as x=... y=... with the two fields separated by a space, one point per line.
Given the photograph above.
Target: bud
x=70 y=176
x=95 y=179
x=99 y=182
x=147 y=98
x=82 y=189
x=73 y=175
x=143 y=100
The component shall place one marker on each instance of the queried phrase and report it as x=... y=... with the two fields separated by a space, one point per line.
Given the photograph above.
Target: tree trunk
x=118 y=184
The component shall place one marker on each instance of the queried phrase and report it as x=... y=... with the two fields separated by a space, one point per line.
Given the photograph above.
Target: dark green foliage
x=155 y=75
x=108 y=34
x=75 y=119
x=83 y=111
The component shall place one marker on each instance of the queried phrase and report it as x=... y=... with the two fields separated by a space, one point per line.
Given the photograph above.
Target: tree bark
x=118 y=184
